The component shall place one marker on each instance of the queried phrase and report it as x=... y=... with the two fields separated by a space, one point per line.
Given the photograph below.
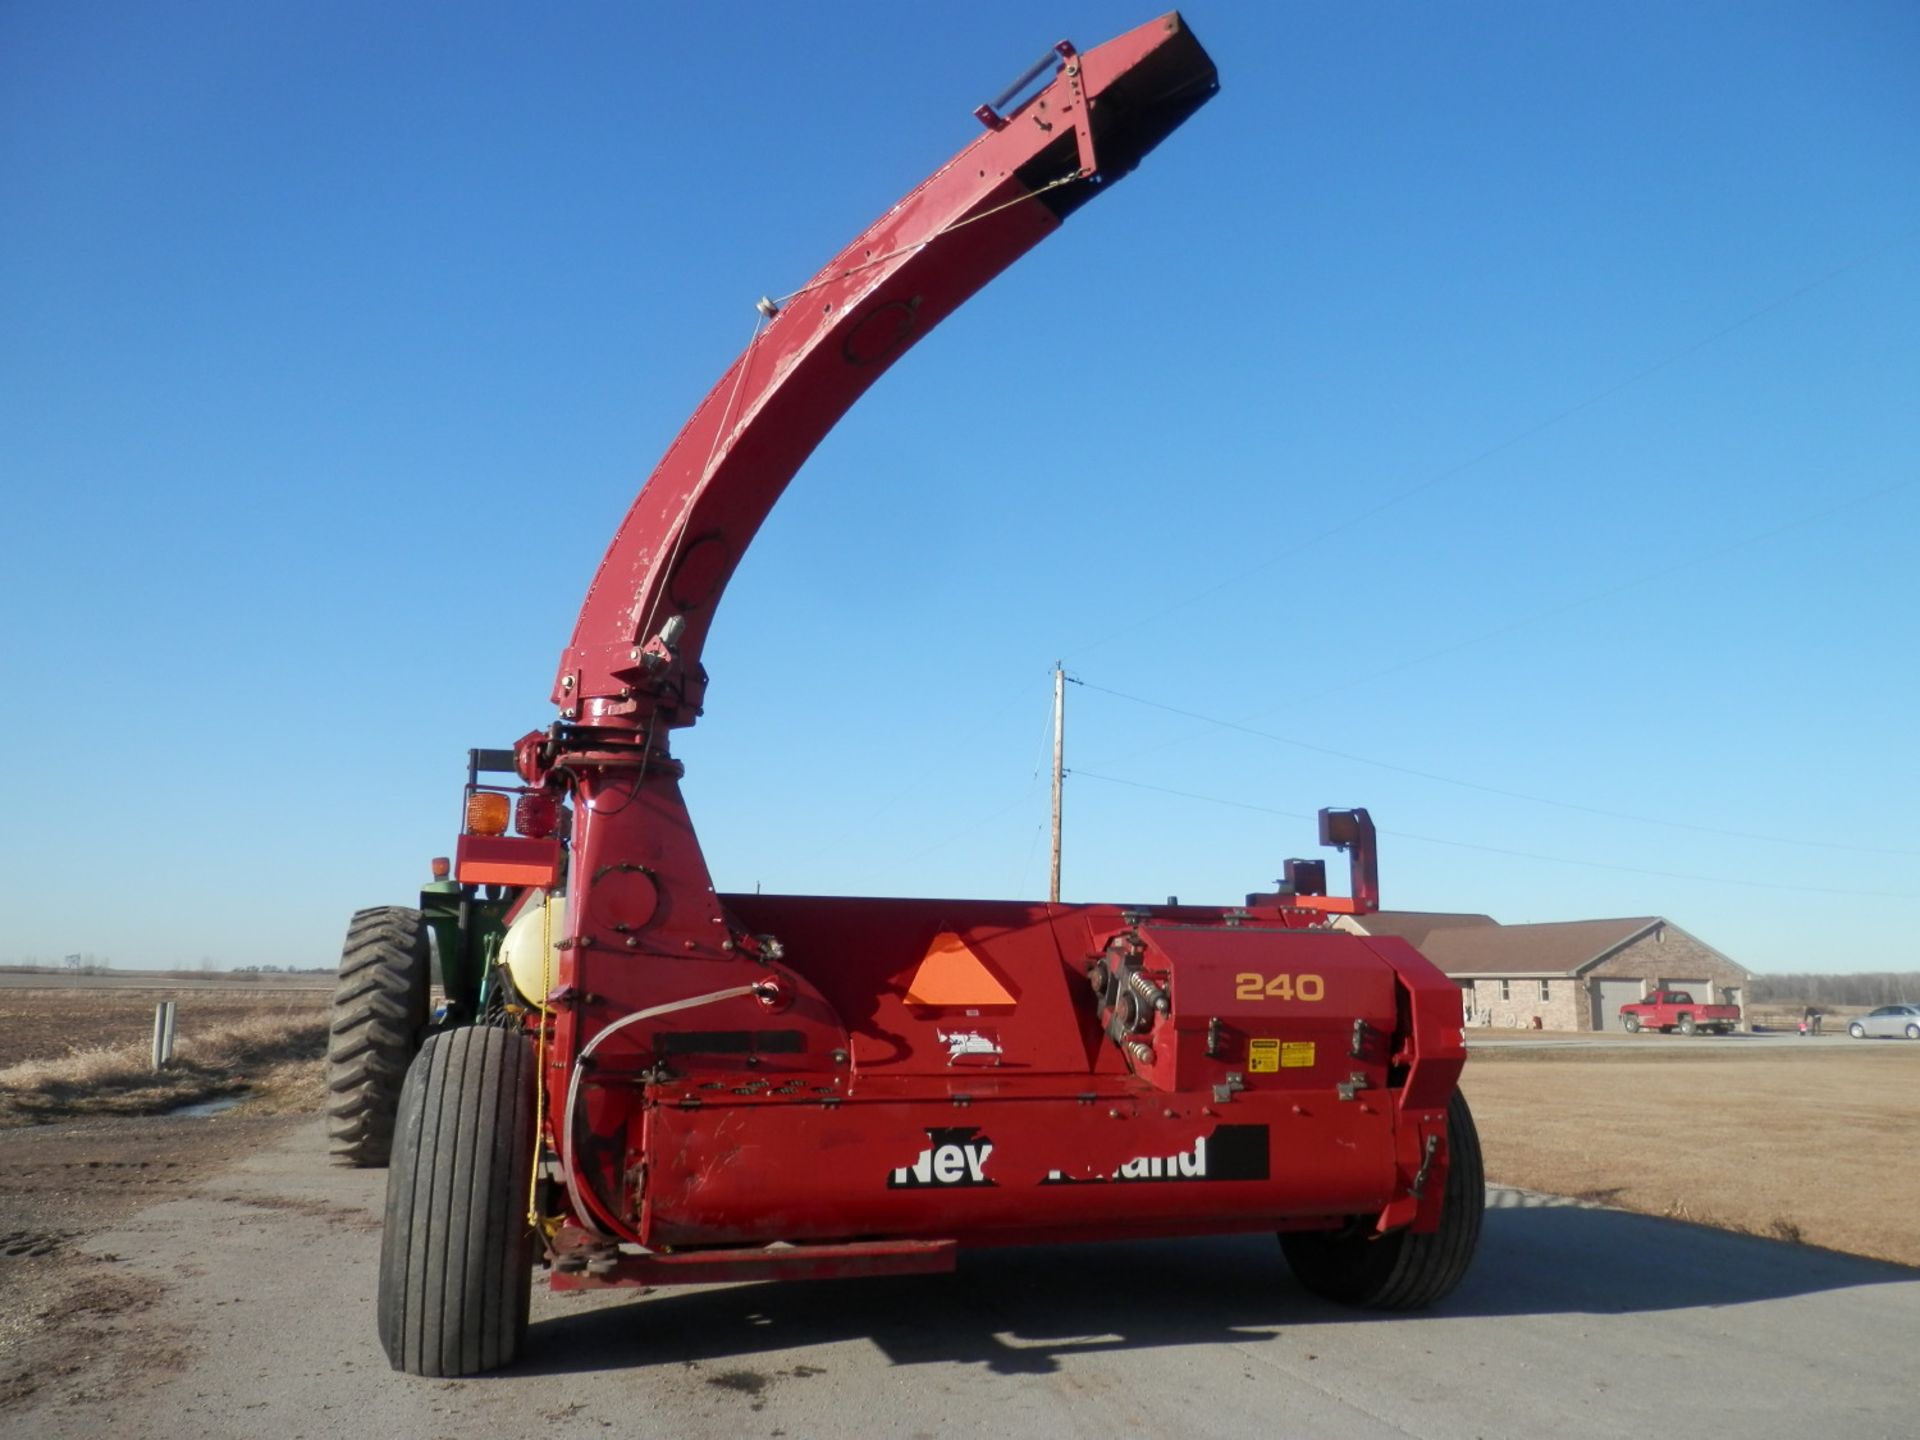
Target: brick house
x=1571 y=975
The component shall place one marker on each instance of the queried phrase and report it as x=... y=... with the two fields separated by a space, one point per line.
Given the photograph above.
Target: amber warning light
x=487 y=813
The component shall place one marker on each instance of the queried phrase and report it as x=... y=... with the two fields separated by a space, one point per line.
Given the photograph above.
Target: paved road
x=1653 y=1042
x=1576 y=1322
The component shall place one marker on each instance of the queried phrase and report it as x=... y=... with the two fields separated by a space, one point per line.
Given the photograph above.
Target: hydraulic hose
x=579 y=1065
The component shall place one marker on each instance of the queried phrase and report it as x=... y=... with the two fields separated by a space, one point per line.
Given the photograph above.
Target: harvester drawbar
x=637 y=1081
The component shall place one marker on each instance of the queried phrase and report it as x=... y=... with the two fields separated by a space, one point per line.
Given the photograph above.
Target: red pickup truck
x=1675 y=1010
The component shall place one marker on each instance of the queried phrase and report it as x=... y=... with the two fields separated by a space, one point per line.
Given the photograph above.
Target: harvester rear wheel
x=456 y=1253
x=1403 y=1271
x=379 y=1014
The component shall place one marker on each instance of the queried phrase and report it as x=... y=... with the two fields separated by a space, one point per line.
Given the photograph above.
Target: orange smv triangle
x=951 y=974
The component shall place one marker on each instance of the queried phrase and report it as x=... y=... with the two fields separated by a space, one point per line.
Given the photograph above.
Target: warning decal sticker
x=1296 y=1055
x=1263 y=1056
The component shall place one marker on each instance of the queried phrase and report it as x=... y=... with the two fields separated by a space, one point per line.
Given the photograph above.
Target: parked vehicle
x=643 y=1082
x=1667 y=1010
x=1888 y=1022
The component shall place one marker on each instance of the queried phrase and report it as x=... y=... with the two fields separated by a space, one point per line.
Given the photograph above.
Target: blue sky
x=1524 y=396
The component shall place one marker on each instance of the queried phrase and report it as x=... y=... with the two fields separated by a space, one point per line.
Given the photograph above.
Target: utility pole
x=1059 y=753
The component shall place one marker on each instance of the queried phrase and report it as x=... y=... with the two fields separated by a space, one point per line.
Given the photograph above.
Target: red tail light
x=536 y=815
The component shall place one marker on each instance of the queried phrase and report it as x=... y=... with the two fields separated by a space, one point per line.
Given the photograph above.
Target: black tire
x=1857 y=1030
x=1403 y=1271
x=1913 y=1032
x=1631 y=1023
x=1686 y=1025
x=456 y=1254
x=379 y=1015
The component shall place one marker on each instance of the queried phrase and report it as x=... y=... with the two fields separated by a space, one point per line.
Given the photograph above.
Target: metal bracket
x=1352 y=1085
x=1360 y=1032
x=1224 y=1092
x=1426 y=1166
x=990 y=114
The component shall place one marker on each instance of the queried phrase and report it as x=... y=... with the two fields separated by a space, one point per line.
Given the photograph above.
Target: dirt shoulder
x=74 y=1323
x=1811 y=1145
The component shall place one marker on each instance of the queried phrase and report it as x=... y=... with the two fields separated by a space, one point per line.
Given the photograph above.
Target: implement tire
x=456 y=1253
x=379 y=1015
x=1402 y=1271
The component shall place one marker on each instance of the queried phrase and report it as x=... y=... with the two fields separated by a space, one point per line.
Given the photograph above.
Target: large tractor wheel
x=379 y=1015
x=1403 y=1271
x=456 y=1255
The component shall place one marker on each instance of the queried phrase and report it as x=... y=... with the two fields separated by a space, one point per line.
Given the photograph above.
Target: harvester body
x=732 y=1086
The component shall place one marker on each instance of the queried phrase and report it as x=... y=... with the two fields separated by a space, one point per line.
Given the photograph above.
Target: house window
x=1546 y=989
x=1506 y=989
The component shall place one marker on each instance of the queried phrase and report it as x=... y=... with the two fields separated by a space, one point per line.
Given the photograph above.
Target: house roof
x=1560 y=948
x=1414 y=926
x=1465 y=945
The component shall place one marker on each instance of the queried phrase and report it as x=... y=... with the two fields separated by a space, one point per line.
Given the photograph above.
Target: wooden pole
x=1059 y=753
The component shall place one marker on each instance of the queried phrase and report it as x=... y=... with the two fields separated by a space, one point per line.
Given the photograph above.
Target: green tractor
x=393 y=958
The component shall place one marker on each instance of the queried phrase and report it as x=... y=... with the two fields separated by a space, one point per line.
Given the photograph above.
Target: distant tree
x=1859 y=989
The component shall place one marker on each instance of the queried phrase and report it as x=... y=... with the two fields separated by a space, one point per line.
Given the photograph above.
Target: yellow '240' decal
x=1279 y=987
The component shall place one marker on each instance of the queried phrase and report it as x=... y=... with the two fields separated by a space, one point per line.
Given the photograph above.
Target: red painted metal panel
x=1013 y=1172
x=506 y=860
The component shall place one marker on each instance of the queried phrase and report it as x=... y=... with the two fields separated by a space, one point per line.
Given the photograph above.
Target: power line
x=1484 y=789
x=1685 y=562
x=1518 y=438
x=1512 y=854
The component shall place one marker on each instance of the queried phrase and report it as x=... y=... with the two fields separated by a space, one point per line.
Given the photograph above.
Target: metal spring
x=1151 y=995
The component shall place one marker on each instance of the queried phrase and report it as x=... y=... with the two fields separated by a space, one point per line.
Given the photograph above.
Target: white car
x=1888 y=1020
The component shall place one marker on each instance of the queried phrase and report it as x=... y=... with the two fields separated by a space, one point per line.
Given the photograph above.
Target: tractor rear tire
x=456 y=1253
x=1403 y=1271
x=379 y=1015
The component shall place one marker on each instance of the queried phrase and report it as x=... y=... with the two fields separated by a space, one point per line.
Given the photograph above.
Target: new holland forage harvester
x=641 y=1082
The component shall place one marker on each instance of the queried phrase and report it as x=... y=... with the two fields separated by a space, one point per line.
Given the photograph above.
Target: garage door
x=1700 y=990
x=1608 y=997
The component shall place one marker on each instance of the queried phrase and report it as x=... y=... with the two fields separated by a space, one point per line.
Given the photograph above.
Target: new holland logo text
x=952 y=1159
x=1231 y=1152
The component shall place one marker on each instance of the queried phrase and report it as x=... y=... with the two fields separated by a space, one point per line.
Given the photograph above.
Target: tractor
x=634 y=1080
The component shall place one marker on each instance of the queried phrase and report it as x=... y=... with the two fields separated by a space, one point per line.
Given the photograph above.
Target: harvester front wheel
x=379 y=1014
x=1403 y=1271
x=456 y=1252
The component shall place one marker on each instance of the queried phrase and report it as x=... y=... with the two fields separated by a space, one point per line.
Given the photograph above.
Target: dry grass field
x=1820 y=1145
x=45 y=1023
x=85 y=1051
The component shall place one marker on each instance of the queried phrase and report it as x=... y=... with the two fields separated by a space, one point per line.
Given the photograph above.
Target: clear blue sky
x=1523 y=395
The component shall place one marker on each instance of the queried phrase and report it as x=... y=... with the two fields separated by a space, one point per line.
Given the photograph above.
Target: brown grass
x=274 y=1059
x=44 y=1023
x=1814 y=1146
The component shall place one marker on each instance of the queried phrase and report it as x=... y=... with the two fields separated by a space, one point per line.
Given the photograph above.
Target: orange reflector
x=951 y=974
x=487 y=813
